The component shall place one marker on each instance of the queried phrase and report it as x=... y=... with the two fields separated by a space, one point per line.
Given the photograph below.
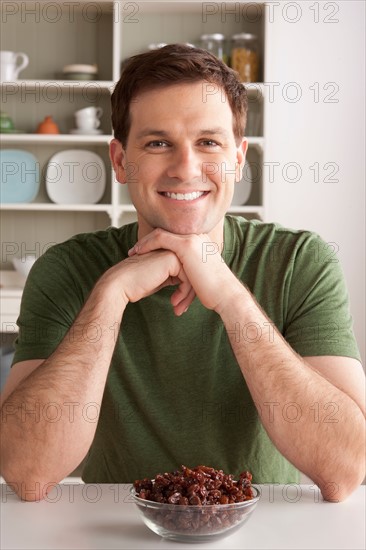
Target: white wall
x=309 y=131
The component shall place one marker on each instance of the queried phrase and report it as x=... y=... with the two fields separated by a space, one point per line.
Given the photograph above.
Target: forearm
x=49 y=421
x=316 y=426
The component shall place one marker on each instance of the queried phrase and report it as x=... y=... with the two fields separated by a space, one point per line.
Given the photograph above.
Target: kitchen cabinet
x=105 y=33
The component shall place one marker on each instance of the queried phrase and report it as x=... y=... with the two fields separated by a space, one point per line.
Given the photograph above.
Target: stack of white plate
x=75 y=177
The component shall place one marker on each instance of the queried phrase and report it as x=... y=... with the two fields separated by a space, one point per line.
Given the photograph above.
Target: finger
x=181 y=293
x=144 y=247
x=141 y=247
x=183 y=306
x=170 y=281
x=182 y=298
x=153 y=241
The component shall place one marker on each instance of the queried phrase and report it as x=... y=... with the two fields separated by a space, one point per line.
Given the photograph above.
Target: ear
x=118 y=158
x=240 y=158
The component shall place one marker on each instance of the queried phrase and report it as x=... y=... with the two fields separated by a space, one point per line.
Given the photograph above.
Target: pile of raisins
x=197 y=486
x=201 y=486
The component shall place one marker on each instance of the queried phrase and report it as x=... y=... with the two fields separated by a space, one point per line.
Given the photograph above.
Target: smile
x=185 y=196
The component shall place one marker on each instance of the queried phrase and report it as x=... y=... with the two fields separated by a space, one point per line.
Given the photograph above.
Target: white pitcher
x=11 y=63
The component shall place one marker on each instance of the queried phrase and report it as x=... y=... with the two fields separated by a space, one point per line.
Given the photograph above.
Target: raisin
x=194 y=500
x=201 y=486
x=174 y=498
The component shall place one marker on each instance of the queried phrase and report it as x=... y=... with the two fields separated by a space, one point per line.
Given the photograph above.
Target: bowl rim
x=185 y=507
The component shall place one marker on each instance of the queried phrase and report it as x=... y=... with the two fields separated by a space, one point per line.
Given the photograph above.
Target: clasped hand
x=193 y=262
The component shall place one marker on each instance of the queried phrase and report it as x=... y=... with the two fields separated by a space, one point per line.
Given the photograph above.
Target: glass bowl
x=195 y=523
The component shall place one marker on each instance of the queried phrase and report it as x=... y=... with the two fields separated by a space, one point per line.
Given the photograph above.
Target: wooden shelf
x=77 y=85
x=56 y=139
x=51 y=207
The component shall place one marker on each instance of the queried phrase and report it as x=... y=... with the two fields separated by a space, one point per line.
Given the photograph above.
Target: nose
x=185 y=164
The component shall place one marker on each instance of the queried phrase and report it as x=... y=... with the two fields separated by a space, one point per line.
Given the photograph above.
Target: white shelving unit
x=107 y=36
x=54 y=139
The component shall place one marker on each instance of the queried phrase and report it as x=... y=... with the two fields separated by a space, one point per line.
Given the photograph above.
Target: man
x=190 y=338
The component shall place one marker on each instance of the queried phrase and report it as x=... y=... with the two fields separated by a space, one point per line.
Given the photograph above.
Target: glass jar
x=214 y=43
x=245 y=57
x=156 y=46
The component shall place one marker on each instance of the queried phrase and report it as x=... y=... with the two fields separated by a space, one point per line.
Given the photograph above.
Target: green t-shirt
x=174 y=392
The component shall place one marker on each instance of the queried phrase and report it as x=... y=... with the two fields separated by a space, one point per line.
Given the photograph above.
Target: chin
x=187 y=228
x=181 y=225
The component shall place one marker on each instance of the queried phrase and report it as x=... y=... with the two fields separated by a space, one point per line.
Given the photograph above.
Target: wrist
x=110 y=290
x=236 y=295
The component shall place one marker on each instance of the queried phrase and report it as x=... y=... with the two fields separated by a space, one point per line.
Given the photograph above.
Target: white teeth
x=186 y=196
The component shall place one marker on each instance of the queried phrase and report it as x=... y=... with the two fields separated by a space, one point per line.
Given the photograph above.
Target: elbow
x=24 y=490
x=340 y=489
x=340 y=477
x=27 y=487
x=30 y=490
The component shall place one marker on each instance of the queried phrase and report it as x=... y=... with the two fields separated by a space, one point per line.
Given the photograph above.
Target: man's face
x=181 y=160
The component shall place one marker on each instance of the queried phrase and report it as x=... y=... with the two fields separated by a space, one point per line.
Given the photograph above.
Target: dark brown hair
x=174 y=64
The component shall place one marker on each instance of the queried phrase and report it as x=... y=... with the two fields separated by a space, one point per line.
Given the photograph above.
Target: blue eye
x=156 y=144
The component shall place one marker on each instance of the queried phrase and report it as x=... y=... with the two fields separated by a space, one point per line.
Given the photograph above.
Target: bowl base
x=191 y=538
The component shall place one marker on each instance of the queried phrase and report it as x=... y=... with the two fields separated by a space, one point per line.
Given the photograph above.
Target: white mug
x=11 y=63
x=87 y=122
x=96 y=112
x=88 y=118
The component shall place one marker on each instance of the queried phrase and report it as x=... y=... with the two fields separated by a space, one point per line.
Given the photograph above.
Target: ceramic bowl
x=24 y=265
x=80 y=72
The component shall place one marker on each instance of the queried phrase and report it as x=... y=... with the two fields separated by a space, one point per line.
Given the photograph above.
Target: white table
x=102 y=516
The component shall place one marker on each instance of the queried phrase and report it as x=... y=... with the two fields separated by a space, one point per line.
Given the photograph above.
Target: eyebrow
x=215 y=131
x=162 y=133
x=151 y=132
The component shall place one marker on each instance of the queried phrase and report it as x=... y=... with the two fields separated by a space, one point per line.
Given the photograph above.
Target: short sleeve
x=318 y=320
x=50 y=303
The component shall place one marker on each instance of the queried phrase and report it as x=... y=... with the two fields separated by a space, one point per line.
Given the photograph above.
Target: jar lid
x=92 y=69
x=215 y=36
x=156 y=46
x=244 y=36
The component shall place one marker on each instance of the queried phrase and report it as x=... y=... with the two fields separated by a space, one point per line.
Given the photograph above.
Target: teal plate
x=19 y=176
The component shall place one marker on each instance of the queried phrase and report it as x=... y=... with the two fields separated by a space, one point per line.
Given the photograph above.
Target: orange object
x=48 y=126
